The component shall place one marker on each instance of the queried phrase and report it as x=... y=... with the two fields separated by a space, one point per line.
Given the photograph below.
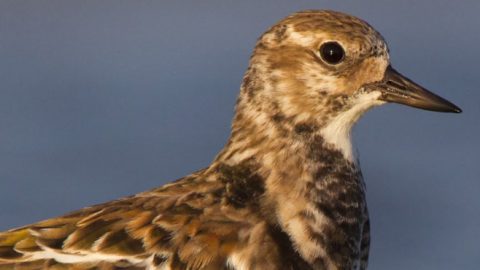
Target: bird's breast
x=326 y=223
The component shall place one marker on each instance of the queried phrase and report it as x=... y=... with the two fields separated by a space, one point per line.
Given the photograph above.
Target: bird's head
x=325 y=69
x=320 y=71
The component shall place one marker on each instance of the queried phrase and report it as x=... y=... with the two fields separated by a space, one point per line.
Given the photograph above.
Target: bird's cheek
x=348 y=87
x=368 y=71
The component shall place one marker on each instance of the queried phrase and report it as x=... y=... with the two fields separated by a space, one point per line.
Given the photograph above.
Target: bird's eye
x=332 y=53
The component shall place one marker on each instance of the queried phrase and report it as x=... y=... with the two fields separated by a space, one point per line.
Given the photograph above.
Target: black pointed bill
x=399 y=89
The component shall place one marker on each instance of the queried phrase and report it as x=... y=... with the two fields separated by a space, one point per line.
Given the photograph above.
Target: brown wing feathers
x=176 y=225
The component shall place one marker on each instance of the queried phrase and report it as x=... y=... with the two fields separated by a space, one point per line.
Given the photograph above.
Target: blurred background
x=103 y=99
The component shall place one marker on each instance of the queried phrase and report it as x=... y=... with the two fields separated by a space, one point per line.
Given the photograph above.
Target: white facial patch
x=338 y=131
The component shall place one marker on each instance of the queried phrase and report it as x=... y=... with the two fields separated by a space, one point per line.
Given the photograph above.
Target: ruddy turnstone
x=285 y=192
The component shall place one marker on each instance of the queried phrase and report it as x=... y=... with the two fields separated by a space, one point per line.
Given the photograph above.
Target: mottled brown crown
x=335 y=25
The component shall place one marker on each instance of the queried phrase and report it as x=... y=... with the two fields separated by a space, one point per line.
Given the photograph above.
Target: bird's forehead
x=307 y=28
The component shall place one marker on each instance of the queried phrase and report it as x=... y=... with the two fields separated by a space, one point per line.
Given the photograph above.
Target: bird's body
x=286 y=192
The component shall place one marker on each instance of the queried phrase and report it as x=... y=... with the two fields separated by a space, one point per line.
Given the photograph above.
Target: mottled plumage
x=286 y=191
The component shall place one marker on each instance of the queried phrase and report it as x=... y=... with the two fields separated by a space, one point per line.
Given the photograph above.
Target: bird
x=285 y=192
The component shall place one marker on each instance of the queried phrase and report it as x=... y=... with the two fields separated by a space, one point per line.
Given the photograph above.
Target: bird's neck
x=299 y=172
x=280 y=149
x=302 y=177
x=287 y=148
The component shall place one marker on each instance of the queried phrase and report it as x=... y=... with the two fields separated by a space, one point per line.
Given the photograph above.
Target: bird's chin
x=369 y=97
x=361 y=102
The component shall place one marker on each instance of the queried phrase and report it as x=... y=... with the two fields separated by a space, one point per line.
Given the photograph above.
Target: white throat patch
x=338 y=131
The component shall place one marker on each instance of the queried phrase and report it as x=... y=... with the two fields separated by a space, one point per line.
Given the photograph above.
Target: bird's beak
x=399 y=89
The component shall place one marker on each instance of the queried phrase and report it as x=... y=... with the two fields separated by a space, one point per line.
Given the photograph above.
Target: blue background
x=102 y=99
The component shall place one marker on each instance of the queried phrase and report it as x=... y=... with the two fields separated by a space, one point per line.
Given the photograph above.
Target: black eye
x=332 y=52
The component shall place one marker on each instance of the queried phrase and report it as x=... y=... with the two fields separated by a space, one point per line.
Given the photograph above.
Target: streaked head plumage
x=313 y=65
x=325 y=69
x=316 y=56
